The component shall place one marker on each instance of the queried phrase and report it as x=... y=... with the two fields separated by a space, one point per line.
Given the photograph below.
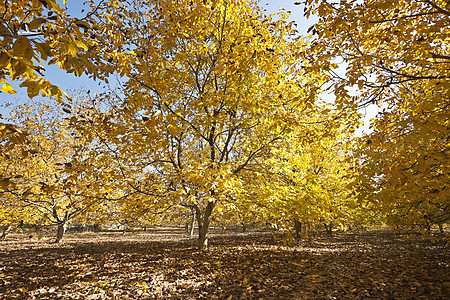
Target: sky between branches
x=70 y=82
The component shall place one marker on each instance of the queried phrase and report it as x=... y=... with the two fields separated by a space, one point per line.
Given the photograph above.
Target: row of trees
x=220 y=113
x=397 y=54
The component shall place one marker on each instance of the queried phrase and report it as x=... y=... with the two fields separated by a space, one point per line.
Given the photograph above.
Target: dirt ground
x=164 y=264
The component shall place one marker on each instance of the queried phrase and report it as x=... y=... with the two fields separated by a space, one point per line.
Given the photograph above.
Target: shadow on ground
x=372 y=265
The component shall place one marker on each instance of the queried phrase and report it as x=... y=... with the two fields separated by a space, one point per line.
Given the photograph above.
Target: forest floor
x=164 y=264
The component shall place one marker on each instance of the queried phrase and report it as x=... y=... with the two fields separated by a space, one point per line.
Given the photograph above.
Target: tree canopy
x=221 y=112
x=395 y=53
x=208 y=89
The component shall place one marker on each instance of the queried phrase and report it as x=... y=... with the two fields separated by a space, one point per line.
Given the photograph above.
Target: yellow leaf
x=7 y=88
x=4 y=183
x=101 y=284
x=3 y=30
x=360 y=84
x=17 y=68
x=83 y=24
x=36 y=23
x=43 y=49
x=82 y=45
x=22 y=48
x=245 y=281
x=72 y=50
x=4 y=60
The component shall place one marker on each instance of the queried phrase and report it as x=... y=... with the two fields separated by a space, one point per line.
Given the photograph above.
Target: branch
x=404 y=17
x=411 y=77
x=252 y=155
x=438 y=8
x=439 y=56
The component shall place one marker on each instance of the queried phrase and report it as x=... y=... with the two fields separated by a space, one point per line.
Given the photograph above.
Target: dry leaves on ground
x=162 y=265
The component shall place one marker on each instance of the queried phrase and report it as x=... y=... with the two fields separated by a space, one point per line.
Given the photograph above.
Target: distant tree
x=48 y=184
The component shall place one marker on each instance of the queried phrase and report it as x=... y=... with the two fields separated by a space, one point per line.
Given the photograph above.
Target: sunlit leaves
x=209 y=87
x=38 y=175
x=396 y=54
x=31 y=32
x=7 y=88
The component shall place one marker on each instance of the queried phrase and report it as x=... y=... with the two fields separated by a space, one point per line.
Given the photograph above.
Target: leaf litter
x=258 y=265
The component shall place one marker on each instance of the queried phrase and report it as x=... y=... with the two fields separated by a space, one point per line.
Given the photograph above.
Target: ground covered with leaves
x=164 y=264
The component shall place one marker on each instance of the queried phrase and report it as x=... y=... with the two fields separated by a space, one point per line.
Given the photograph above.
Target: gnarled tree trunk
x=328 y=228
x=62 y=226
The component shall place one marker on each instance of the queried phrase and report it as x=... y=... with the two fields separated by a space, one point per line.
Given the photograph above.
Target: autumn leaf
x=22 y=48
x=7 y=88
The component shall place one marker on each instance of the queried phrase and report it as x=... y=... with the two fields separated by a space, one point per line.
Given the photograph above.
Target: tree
x=396 y=53
x=209 y=86
x=304 y=178
x=50 y=182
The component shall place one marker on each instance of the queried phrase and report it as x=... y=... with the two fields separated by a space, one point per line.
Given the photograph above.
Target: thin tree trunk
x=203 y=225
x=244 y=227
x=297 y=227
x=5 y=231
x=328 y=228
x=191 y=233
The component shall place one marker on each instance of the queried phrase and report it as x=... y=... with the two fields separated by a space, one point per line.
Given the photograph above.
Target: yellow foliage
x=33 y=32
x=397 y=53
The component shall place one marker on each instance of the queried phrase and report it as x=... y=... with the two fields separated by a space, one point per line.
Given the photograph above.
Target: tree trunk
x=191 y=233
x=62 y=225
x=244 y=227
x=203 y=225
x=328 y=228
x=297 y=227
x=5 y=231
x=190 y=224
x=61 y=230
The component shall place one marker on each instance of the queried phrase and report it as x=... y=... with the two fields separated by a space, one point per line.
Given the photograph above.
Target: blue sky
x=69 y=82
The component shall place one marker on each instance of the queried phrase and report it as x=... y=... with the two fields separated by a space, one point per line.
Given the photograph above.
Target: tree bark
x=244 y=227
x=203 y=225
x=61 y=230
x=191 y=233
x=297 y=227
x=5 y=231
x=328 y=228
x=62 y=225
